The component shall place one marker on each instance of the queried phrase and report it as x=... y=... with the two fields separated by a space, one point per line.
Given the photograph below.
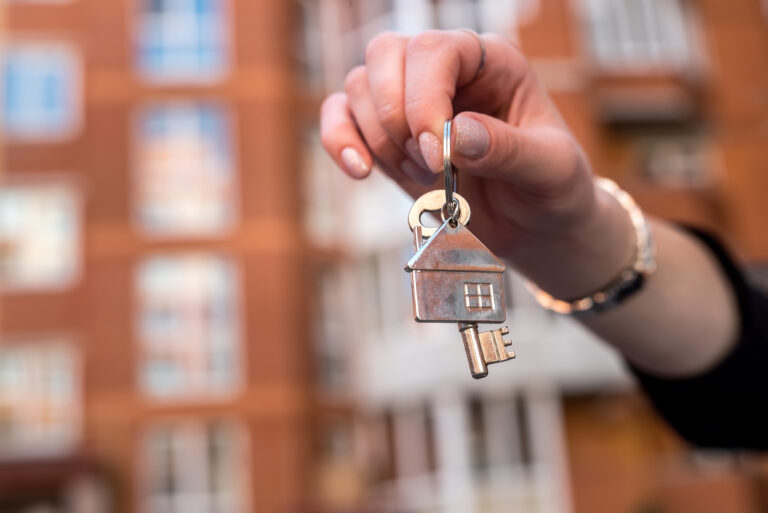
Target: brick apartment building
x=154 y=319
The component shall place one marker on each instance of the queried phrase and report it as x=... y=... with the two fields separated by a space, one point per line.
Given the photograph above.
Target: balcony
x=651 y=98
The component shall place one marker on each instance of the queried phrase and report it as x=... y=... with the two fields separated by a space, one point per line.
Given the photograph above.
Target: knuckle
x=428 y=41
x=416 y=106
x=381 y=45
x=330 y=102
x=516 y=57
x=390 y=112
x=380 y=144
x=574 y=157
x=508 y=149
x=326 y=139
x=355 y=79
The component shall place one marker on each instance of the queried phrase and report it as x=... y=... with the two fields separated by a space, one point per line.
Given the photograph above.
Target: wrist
x=588 y=255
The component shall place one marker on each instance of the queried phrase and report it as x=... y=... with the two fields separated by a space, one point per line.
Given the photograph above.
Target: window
x=182 y=40
x=478 y=296
x=39 y=236
x=638 y=33
x=678 y=161
x=39 y=399
x=309 y=45
x=385 y=290
x=330 y=348
x=185 y=180
x=377 y=439
x=194 y=466
x=41 y=91
x=478 y=437
x=188 y=326
x=323 y=193
x=413 y=441
x=499 y=432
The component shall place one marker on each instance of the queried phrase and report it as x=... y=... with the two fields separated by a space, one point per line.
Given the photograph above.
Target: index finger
x=437 y=64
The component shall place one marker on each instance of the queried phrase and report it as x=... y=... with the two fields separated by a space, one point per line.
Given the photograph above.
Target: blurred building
x=154 y=331
x=669 y=97
x=165 y=269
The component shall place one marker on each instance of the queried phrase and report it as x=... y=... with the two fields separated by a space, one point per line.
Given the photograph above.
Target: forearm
x=684 y=319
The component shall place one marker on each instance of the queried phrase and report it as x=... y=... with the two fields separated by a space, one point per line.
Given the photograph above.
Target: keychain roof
x=454 y=249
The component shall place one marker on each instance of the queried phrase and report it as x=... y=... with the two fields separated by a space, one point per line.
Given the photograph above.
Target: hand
x=528 y=182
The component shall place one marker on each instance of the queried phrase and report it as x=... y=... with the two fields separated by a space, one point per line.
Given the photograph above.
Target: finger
x=341 y=138
x=437 y=63
x=385 y=63
x=538 y=159
x=384 y=150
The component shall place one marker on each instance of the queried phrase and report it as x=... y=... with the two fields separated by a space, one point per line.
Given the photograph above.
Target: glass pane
x=184 y=181
x=637 y=33
x=182 y=40
x=40 y=236
x=40 y=91
x=194 y=466
x=188 y=325
x=39 y=399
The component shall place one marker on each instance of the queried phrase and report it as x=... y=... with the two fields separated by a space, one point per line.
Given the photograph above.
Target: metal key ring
x=433 y=202
x=449 y=172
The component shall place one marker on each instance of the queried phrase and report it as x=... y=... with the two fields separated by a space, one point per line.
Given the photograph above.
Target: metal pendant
x=454 y=277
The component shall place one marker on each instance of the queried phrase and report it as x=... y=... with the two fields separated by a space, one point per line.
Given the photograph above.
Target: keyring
x=449 y=172
x=433 y=202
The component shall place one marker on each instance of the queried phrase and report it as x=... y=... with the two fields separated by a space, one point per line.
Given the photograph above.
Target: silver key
x=454 y=277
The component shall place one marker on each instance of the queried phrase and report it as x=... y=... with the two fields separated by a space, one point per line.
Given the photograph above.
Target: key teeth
x=494 y=346
x=484 y=348
x=507 y=342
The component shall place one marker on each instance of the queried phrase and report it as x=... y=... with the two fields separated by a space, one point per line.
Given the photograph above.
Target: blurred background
x=199 y=314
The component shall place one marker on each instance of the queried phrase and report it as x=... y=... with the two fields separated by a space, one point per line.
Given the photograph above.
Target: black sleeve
x=727 y=406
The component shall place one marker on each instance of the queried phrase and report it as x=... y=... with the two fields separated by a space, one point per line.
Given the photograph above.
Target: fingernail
x=417 y=173
x=354 y=162
x=413 y=150
x=472 y=139
x=432 y=151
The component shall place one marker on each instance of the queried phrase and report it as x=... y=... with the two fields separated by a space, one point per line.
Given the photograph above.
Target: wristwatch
x=628 y=282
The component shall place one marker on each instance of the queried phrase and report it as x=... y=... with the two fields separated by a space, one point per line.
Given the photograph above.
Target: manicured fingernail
x=413 y=150
x=354 y=162
x=432 y=150
x=417 y=173
x=472 y=139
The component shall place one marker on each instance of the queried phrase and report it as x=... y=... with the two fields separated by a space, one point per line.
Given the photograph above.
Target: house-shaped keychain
x=455 y=278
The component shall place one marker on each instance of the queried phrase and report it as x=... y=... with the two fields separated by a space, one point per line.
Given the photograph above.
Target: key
x=454 y=276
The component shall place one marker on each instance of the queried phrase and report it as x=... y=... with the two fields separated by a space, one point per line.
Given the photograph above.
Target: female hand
x=528 y=182
x=530 y=186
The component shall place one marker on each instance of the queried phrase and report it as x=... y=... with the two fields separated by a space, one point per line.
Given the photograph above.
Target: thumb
x=537 y=158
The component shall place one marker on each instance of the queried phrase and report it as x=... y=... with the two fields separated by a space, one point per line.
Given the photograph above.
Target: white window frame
x=74 y=117
x=203 y=393
x=65 y=182
x=621 y=52
x=229 y=121
x=694 y=151
x=40 y=449
x=193 y=430
x=141 y=19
